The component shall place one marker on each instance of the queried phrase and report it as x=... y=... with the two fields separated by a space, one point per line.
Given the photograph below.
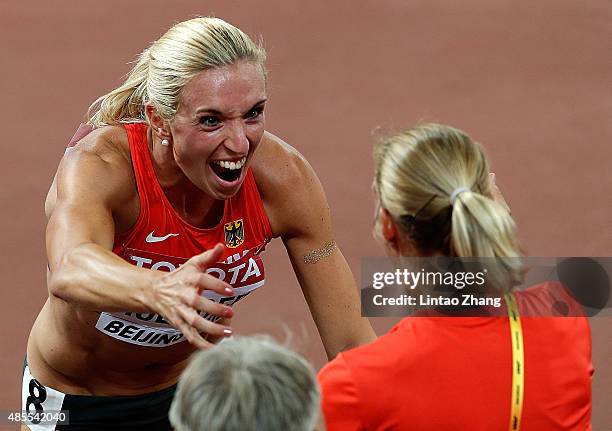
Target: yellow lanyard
x=518 y=363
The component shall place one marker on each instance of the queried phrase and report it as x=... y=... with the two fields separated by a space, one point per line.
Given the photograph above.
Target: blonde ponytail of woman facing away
x=433 y=181
x=163 y=69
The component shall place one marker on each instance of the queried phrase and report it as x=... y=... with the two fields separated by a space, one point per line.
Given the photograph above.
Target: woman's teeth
x=231 y=165
x=228 y=171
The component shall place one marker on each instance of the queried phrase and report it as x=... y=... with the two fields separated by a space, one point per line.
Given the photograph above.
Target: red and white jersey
x=161 y=240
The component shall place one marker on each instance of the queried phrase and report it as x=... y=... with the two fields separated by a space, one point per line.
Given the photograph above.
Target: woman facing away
x=444 y=372
x=156 y=221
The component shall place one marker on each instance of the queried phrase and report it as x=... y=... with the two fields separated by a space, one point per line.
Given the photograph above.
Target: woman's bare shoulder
x=108 y=143
x=276 y=164
x=285 y=181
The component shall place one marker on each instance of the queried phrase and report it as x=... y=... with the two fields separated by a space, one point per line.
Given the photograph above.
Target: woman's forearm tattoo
x=316 y=255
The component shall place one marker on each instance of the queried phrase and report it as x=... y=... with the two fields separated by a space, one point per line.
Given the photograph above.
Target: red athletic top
x=161 y=240
x=455 y=373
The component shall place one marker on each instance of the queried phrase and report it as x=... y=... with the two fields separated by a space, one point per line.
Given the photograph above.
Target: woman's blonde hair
x=162 y=70
x=417 y=171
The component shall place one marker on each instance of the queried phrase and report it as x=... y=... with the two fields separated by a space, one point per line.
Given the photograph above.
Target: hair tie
x=456 y=193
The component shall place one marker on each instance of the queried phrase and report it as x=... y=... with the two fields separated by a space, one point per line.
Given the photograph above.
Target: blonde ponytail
x=482 y=227
x=416 y=173
x=126 y=102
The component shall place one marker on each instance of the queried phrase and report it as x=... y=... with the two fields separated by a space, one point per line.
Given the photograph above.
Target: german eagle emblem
x=234 y=233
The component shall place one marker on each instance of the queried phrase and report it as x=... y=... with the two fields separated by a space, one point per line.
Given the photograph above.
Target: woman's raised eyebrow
x=257 y=105
x=220 y=113
x=208 y=111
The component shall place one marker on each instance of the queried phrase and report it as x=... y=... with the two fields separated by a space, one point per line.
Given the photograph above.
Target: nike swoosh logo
x=153 y=238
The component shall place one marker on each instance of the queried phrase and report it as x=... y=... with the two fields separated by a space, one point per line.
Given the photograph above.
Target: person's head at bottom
x=243 y=384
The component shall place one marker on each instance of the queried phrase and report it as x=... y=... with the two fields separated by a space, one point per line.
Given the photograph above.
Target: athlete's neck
x=166 y=170
x=193 y=205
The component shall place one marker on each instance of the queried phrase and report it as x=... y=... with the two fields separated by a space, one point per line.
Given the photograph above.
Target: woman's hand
x=177 y=297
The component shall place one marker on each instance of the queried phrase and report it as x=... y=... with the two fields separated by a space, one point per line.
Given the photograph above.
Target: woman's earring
x=165 y=142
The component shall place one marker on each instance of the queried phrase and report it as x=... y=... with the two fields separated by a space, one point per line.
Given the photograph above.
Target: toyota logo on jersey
x=244 y=271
